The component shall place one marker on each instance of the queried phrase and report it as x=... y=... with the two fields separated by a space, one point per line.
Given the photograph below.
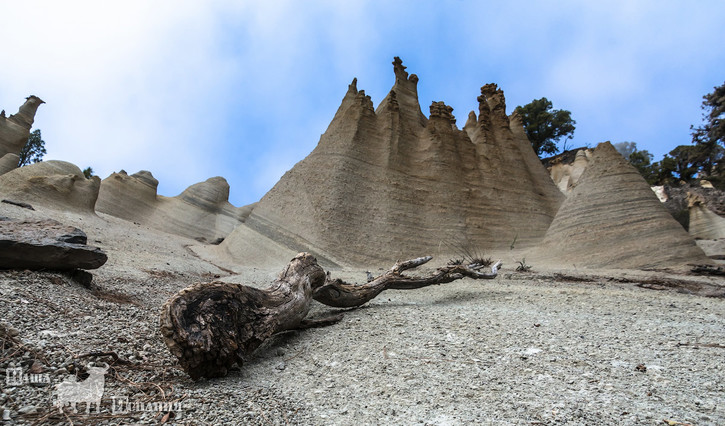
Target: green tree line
x=703 y=158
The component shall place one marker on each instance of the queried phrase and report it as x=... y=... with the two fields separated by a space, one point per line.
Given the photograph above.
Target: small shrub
x=523 y=267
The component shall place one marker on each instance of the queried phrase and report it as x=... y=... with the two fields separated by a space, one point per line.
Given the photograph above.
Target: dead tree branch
x=339 y=294
x=212 y=326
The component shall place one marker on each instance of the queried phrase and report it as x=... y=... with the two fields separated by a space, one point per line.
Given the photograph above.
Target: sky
x=243 y=89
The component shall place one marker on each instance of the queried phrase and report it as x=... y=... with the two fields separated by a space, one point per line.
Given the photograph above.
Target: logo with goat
x=89 y=390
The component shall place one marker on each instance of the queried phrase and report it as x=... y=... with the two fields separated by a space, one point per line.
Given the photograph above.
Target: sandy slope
x=516 y=350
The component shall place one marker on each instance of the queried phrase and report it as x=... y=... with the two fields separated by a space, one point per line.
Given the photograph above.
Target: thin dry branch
x=339 y=294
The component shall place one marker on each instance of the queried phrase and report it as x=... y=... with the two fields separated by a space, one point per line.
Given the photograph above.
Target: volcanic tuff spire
x=391 y=183
x=14 y=132
x=612 y=219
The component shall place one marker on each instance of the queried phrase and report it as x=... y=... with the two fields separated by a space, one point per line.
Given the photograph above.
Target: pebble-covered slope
x=510 y=352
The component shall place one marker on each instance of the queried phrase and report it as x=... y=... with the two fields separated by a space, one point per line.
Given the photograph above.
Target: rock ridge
x=390 y=182
x=202 y=211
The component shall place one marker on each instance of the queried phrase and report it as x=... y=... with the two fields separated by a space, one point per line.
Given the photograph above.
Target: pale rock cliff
x=389 y=183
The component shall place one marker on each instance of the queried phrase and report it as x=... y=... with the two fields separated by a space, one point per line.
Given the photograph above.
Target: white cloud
x=192 y=89
x=127 y=85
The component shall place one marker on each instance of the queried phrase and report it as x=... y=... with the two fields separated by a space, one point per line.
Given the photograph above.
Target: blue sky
x=192 y=89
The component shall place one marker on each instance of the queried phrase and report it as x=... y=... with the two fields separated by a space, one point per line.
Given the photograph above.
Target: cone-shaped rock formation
x=54 y=184
x=612 y=219
x=14 y=132
x=202 y=211
x=390 y=183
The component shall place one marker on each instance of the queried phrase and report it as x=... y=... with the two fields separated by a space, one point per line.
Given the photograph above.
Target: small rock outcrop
x=704 y=223
x=676 y=199
x=390 y=183
x=14 y=132
x=58 y=185
x=566 y=173
x=612 y=219
x=46 y=244
x=9 y=162
x=131 y=197
x=202 y=211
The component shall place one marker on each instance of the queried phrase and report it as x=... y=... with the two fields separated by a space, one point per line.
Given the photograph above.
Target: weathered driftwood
x=212 y=326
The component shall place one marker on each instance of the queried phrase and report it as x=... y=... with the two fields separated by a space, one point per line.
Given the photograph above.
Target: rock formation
x=129 y=197
x=54 y=184
x=612 y=219
x=9 y=162
x=390 y=183
x=14 y=132
x=676 y=199
x=704 y=223
x=661 y=193
x=46 y=244
x=202 y=211
x=566 y=174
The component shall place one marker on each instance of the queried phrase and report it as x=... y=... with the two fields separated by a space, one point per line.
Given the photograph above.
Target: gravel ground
x=516 y=350
x=521 y=349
